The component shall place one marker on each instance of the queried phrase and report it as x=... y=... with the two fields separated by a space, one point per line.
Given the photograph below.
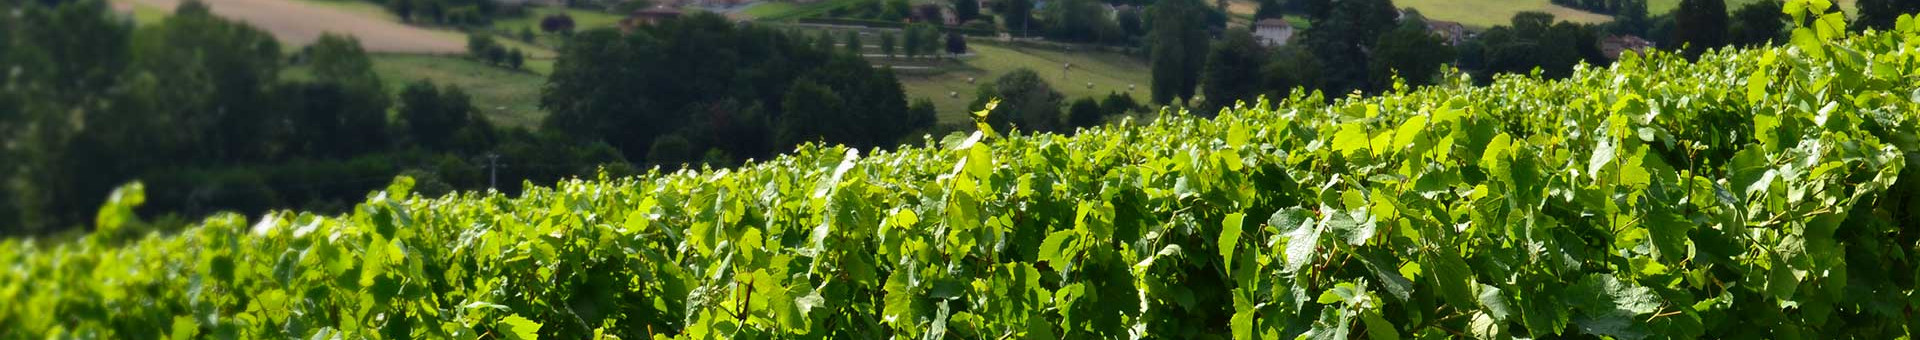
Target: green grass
x=143 y=14
x=775 y=10
x=582 y=19
x=492 y=88
x=360 y=7
x=1488 y=13
x=1109 y=72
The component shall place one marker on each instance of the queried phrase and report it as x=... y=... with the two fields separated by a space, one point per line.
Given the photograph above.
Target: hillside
x=1488 y=13
x=1751 y=194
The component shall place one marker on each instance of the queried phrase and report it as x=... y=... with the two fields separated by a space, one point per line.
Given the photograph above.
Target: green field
x=363 y=8
x=1488 y=13
x=1109 y=72
x=1658 y=7
x=509 y=98
x=786 y=10
x=582 y=19
x=141 y=13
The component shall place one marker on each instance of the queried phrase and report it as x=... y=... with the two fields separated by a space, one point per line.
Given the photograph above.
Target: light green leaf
x=1377 y=327
x=1351 y=138
x=1409 y=131
x=519 y=328
x=1055 y=248
x=1602 y=154
x=1230 y=237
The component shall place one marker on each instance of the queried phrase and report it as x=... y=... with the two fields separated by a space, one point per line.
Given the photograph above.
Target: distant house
x=1613 y=45
x=647 y=17
x=1273 y=32
x=1453 y=32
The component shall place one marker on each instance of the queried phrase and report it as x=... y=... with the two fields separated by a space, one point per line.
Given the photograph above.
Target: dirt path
x=299 y=24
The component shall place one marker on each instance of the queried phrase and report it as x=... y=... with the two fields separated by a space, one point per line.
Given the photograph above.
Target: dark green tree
x=432 y=114
x=824 y=42
x=911 y=41
x=359 y=123
x=1270 y=9
x=1118 y=103
x=1533 y=40
x=1086 y=21
x=670 y=151
x=217 y=73
x=1631 y=18
x=1084 y=112
x=1700 y=25
x=1025 y=100
x=1018 y=16
x=806 y=105
x=966 y=10
x=1411 y=52
x=1233 y=69
x=886 y=43
x=853 y=42
x=1881 y=14
x=1758 y=23
x=956 y=43
x=921 y=114
x=1343 y=39
x=1291 y=68
x=1178 y=50
x=516 y=59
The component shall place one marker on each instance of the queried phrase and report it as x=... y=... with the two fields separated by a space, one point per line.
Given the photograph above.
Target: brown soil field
x=298 y=24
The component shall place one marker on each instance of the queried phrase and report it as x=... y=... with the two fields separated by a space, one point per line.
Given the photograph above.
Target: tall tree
x=1631 y=18
x=432 y=114
x=1881 y=14
x=1018 y=16
x=1534 y=40
x=853 y=42
x=1084 y=112
x=1291 y=68
x=1758 y=23
x=1411 y=52
x=1233 y=69
x=966 y=10
x=1179 y=48
x=1700 y=25
x=1344 y=37
x=805 y=106
x=1270 y=9
x=1025 y=100
x=956 y=43
x=359 y=124
x=911 y=41
x=886 y=43
x=217 y=74
x=1080 y=21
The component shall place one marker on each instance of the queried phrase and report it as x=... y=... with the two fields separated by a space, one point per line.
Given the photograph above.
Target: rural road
x=299 y=24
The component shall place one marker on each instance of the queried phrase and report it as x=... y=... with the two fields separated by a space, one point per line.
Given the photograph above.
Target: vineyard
x=1750 y=194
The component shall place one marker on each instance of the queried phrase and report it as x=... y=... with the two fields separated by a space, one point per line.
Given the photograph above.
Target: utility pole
x=493 y=170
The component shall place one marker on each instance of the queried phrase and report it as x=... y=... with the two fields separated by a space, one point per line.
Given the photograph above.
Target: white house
x=1273 y=32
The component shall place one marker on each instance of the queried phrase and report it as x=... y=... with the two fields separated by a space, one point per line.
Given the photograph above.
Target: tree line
x=1363 y=46
x=715 y=92
x=207 y=113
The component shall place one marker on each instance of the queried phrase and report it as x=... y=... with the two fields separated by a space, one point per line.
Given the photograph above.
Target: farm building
x=1273 y=32
x=1453 y=32
x=1613 y=45
x=647 y=17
